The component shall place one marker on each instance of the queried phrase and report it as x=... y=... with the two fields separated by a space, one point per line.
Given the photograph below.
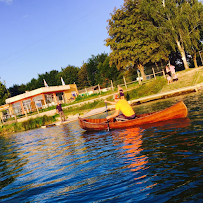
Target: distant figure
x=168 y=72
x=173 y=73
x=172 y=69
x=120 y=92
x=59 y=110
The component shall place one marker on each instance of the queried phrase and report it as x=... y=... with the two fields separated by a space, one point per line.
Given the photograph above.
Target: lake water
x=162 y=162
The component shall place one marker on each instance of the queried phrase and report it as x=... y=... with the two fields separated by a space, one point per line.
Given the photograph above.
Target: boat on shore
x=178 y=110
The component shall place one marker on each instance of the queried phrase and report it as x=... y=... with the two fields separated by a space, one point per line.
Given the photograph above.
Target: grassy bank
x=149 y=88
x=135 y=91
x=27 y=125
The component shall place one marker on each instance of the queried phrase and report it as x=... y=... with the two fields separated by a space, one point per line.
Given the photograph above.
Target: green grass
x=135 y=91
x=32 y=123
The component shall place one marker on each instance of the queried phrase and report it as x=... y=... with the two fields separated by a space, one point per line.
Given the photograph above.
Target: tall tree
x=108 y=72
x=69 y=74
x=83 y=80
x=32 y=85
x=93 y=72
x=17 y=89
x=133 y=38
x=178 y=23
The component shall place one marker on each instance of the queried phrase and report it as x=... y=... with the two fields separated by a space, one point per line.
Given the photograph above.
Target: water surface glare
x=162 y=162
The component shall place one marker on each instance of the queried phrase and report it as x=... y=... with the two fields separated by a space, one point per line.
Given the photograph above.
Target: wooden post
x=99 y=89
x=22 y=107
x=44 y=99
x=25 y=113
x=125 y=82
x=2 y=120
x=139 y=79
x=37 y=108
x=112 y=85
x=164 y=74
x=154 y=73
x=15 y=118
x=55 y=97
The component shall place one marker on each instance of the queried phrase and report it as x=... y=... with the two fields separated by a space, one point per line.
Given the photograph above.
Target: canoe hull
x=178 y=110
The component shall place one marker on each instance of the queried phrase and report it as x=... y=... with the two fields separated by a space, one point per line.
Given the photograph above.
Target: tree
x=69 y=74
x=17 y=89
x=133 y=38
x=93 y=72
x=178 y=23
x=83 y=80
x=3 y=93
x=108 y=72
x=32 y=85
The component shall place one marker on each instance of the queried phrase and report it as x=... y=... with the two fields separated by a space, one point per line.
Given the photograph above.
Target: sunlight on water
x=161 y=162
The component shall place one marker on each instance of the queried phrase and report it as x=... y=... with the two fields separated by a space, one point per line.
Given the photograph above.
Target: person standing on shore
x=173 y=73
x=59 y=110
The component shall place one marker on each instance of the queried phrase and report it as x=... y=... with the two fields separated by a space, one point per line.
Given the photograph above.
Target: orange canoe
x=178 y=110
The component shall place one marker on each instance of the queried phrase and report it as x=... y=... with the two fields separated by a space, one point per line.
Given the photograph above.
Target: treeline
x=95 y=71
x=148 y=31
x=142 y=34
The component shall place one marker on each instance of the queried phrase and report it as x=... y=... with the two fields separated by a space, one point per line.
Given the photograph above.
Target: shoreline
x=159 y=96
x=194 y=83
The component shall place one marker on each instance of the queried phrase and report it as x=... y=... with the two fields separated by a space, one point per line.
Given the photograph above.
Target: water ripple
x=152 y=163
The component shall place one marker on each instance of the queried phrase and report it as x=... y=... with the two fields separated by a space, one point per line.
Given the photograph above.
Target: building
x=43 y=97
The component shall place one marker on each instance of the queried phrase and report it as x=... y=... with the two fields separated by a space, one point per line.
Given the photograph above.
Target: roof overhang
x=42 y=90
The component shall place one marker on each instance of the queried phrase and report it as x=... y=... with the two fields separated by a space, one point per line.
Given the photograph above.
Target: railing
x=125 y=81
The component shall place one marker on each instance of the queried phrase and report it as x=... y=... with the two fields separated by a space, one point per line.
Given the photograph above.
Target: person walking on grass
x=59 y=110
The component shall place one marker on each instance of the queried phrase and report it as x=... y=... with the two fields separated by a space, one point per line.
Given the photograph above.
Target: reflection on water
x=132 y=146
x=160 y=162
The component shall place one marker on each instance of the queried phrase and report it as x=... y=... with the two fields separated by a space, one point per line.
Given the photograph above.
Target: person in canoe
x=123 y=106
x=120 y=92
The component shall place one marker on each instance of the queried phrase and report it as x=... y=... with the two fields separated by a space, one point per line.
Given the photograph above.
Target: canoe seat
x=121 y=119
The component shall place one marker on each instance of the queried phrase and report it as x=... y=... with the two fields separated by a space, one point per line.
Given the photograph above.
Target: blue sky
x=38 y=36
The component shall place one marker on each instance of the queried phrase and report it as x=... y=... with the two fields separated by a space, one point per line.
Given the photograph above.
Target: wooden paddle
x=107 y=115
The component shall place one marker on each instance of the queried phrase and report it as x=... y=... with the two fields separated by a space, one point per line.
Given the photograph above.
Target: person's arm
x=110 y=102
x=116 y=113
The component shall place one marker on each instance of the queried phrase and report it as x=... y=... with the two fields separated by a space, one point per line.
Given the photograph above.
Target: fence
x=125 y=81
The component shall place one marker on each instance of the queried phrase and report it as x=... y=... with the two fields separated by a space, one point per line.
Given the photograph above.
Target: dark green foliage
x=127 y=96
x=147 y=31
x=93 y=71
x=83 y=80
x=69 y=75
x=3 y=93
x=37 y=122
